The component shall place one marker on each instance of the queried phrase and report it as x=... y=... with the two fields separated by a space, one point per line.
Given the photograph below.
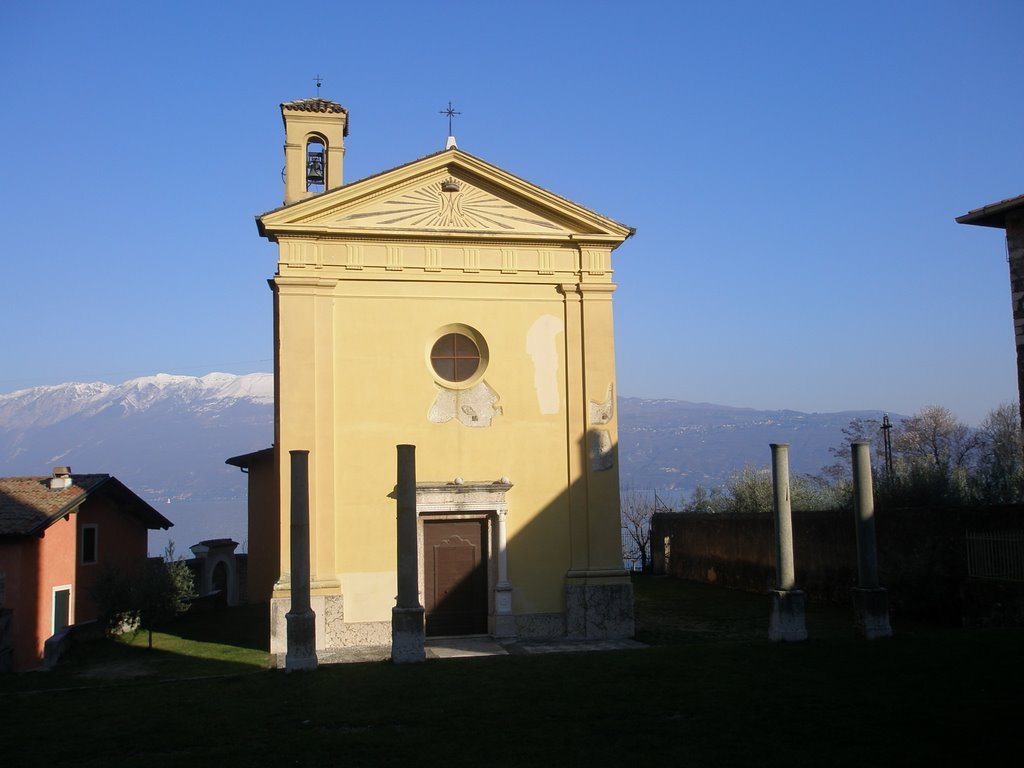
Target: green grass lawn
x=712 y=692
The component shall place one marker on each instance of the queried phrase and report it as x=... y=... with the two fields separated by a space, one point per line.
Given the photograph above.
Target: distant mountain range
x=674 y=445
x=166 y=437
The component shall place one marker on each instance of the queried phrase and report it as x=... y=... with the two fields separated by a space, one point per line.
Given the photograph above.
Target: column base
x=504 y=619
x=787 y=623
x=871 y=612
x=407 y=636
x=329 y=613
x=598 y=611
x=301 y=653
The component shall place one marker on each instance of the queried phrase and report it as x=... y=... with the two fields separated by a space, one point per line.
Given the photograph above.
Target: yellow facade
x=370 y=275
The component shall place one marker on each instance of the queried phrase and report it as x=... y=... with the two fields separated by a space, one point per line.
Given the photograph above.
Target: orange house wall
x=264 y=530
x=56 y=568
x=34 y=566
x=120 y=543
x=19 y=562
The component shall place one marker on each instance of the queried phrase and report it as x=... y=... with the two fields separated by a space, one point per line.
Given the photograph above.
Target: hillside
x=674 y=445
x=167 y=437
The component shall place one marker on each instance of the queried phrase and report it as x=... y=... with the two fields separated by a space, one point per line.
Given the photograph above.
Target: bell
x=315 y=168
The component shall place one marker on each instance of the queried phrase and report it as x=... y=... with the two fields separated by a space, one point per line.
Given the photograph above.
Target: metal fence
x=996 y=555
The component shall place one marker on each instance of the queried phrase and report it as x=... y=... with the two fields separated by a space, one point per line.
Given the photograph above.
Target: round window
x=455 y=357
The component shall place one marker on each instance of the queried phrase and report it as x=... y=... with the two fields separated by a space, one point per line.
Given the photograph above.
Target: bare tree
x=858 y=429
x=939 y=459
x=935 y=437
x=638 y=508
x=1000 y=471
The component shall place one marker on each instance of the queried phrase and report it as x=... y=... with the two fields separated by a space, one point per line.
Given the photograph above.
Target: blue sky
x=792 y=169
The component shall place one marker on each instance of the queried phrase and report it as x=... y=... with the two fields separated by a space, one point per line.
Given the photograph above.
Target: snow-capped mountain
x=42 y=406
x=166 y=437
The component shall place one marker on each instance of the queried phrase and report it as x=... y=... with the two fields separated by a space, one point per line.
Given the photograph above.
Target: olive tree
x=145 y=595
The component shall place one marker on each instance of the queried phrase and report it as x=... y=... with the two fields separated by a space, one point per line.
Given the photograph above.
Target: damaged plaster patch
x=601 y=450
x=473 y=407
x=601 y=413
x=541 y=346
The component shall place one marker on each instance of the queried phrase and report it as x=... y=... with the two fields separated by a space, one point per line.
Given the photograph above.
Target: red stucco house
x=56 y=534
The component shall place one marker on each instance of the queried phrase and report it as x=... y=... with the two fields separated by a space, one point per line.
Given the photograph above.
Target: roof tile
x=314 y=105
x=28 y=504
x=993 y=214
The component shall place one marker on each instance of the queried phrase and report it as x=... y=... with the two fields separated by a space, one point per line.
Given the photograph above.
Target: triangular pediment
x=446 y=202
x=450 y=194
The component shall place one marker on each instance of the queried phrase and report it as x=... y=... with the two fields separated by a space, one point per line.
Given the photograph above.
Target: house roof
x=28 y=506
x=993 y=214
x=246 y=460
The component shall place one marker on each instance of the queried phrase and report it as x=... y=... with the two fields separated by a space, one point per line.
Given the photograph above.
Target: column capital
x=598 y=288
x=571 y=291
x=579 y=291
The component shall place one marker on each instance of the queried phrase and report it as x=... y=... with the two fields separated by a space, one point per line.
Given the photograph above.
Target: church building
x=451 y=305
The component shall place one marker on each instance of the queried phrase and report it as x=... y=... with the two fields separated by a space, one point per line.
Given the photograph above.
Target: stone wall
x=921 y=554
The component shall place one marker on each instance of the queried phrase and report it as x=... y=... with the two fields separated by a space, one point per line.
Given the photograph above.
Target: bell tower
x=314 y=147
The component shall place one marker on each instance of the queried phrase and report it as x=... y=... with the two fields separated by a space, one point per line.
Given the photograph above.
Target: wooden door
x=455 y=577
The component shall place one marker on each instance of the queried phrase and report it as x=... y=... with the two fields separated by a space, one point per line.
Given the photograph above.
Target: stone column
x=870 y=601
x=787 y=618
x=504 y=621
x=407 y=635
x=300 y=620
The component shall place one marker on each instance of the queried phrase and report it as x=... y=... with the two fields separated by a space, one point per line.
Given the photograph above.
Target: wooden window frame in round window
x=455 y=357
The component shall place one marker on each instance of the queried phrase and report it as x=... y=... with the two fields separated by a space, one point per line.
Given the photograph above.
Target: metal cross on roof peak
x=450 y=112
x=319 y=81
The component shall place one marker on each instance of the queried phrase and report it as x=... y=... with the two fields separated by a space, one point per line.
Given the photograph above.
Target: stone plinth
x=599 y=611
x=301 y=653
x=407 y=638
x=504 y=620
x=787 y=622
x=871 y=610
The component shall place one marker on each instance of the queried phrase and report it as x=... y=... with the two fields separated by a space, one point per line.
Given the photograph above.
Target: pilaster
x=322 y=517
x=602 y=465
x=598 y=594
x=575 y=428
x=504 y=621
x=304 y=412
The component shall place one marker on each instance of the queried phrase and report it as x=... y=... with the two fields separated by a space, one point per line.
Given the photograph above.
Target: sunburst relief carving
x=431 y=207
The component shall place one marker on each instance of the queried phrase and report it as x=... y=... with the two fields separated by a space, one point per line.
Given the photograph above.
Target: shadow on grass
x=715 y=692
x=670 y=611
x=231 y=641
x=673 y=611
x=245 y=626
